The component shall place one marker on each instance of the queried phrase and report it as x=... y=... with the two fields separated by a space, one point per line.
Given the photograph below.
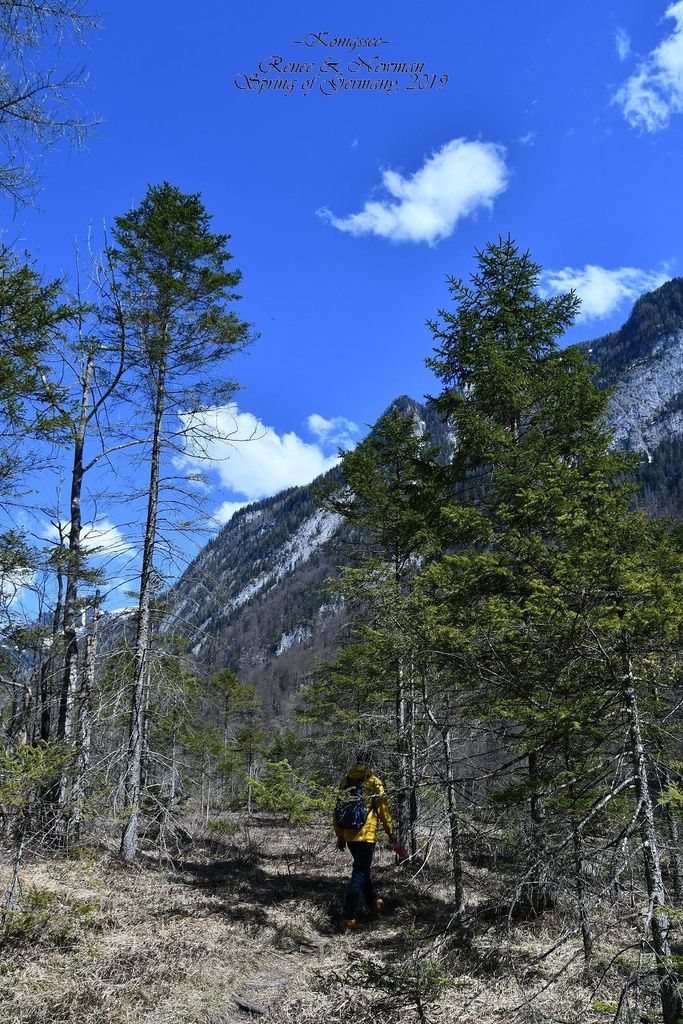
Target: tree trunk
x=250 y=794
x=11 y=901
x=454 y=838
x=145 y=760
x=70 y=679
x=47 y=669
x=173 y=780
x=67 y=699
x=44 y=722
x=84 y=724
x=18 y=725
x=675 y=859
x=250 y=776
x=402 y=811
x=580 y=883
x=670 y=996
x=129 y=837
x=540 y=893
x=413 y=805
x=65 y=725
x=454 y=835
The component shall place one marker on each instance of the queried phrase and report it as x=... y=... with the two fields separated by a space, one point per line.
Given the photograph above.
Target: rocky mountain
x=642 y=363
x=255 y=598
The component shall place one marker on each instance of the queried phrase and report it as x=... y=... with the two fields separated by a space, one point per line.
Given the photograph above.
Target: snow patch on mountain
x=251 y=590
x=249 y=517
x=327 y=610
x=298 y=636
x=117 y=612
x=313 y=532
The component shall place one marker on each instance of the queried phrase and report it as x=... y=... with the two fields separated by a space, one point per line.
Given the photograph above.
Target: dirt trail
x=222 y=930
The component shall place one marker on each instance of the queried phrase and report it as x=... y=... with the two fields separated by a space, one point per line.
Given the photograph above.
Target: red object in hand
x=400 y=851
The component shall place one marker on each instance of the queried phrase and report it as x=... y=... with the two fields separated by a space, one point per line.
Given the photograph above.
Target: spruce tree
x=553 y=601
x=388 y=498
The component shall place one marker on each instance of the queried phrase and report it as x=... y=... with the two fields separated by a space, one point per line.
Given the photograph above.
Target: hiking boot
x=348 y=924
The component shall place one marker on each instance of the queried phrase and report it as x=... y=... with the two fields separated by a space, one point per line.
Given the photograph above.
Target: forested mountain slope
x=255 y=599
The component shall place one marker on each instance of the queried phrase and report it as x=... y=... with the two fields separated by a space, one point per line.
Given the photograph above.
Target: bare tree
x=36 y=96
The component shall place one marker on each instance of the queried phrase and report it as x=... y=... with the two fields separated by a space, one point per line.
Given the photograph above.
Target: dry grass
x=255 y=923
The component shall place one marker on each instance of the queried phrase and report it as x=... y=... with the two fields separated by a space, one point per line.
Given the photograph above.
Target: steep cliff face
x=647 y=405
x=643 y=363
x=256 y=597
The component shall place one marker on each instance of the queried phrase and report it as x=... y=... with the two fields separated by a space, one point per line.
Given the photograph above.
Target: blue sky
x=559 y=123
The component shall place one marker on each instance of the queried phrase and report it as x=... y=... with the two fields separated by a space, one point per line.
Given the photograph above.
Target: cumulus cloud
x=622 y=43
x=655 y=90
x=101 y=537
x=252 y=459
x=454 y=182
x=337 y=431
x=602 y=291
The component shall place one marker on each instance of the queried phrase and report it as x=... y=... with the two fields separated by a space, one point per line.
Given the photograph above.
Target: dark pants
x=361 y=881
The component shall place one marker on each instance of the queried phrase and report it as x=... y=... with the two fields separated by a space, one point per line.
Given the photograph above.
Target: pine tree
x=33 y=315
x=174 y=288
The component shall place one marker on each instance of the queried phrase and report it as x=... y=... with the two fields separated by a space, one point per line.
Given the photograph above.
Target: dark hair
x=366 y=756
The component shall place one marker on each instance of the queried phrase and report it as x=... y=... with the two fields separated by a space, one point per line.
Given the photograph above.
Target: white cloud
x=603 y=291
x=622 y=42
x=529 y=139
x=655 y=91
x=12 y=583
x=337 y=431
x=105 y=539
x=251 y=459
x=100 y=537
x=226 y=511
x=452 y=183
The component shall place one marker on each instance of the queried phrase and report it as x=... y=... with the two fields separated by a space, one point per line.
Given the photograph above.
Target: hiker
x=361 y=806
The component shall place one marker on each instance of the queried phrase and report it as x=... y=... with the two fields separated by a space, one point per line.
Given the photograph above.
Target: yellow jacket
x=375 y=801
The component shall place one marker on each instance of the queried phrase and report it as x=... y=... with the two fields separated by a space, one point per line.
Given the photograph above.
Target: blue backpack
x=351 y=811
